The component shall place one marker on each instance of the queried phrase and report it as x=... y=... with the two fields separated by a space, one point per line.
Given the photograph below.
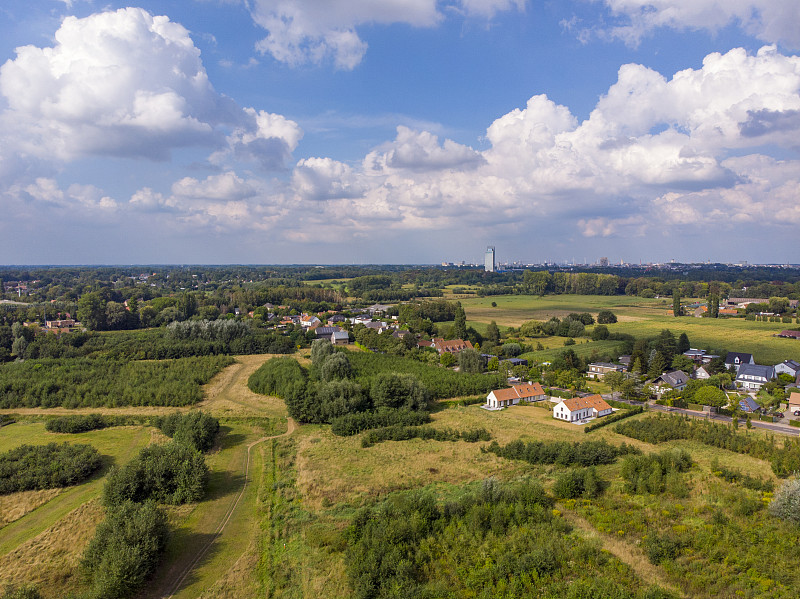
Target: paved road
x=781 y=429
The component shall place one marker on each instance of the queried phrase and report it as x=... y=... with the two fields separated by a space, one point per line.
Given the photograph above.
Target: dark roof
x=748 y=404
x=675 y=378
x=320 y=331
x=743 y=358
x=757 y=370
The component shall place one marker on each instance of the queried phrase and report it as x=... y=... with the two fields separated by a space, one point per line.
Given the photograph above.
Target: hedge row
x=352 y=424
x=404 y=433
x=616 y=417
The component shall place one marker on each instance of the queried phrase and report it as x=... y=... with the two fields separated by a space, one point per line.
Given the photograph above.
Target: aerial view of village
x=399 y=299
x=454 y=430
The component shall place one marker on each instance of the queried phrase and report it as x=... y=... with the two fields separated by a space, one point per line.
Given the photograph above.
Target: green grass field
x=641 y=318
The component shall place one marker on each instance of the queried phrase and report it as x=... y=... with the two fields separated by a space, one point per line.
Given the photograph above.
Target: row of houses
x=576 y=409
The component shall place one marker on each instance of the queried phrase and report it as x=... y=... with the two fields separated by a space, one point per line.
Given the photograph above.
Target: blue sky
x=401 y=131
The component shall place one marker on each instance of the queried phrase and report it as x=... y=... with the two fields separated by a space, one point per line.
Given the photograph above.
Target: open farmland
x=638 y=317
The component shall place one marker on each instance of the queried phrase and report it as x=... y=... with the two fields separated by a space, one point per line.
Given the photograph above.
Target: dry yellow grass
x=16 y=505
x=50 y=559
x=227 y=395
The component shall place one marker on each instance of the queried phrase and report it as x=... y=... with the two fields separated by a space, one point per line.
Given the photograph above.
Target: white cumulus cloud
x=314 y=31
x=768 y=20
x=127 y=83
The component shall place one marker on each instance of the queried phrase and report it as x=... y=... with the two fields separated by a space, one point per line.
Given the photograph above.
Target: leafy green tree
x=710 y=396
x=469 y=361
x=460 y=323
x=92 y=311
x=606 y=317
x=657 y=366
x=125 y=549
x=493 y=333
x=393 y=390
x=683 y=343
x=600 y=332
x=786 y=503
x=447 y=359
x=676 y=303
x=614 y=380
x=336 y=367
x=681 y=362
x=320 y=350
x=494 y=363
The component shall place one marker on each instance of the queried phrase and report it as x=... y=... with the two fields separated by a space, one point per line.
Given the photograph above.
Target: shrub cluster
x=48 y=466
x=87 y=382
x=658 y=429
x=125 y=549
x=496 y=540
x=660 y=547
x=196 y=429
x=77 y=423
x=786 y=503
x=352 y=424
x=309 y=399
x=612 y=418
x=171 y=473
x=563 y=453
x=579 y=482
x=404 y=433
x=656 y=473
x=737 y=477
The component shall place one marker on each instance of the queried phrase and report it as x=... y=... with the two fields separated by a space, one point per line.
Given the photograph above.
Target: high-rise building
x=603 y=261
x=489 y=263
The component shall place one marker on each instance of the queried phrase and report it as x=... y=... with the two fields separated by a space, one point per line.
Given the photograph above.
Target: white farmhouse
x=581 y=408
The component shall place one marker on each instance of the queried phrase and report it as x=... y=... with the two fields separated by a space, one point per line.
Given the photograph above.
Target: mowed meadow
x=636 y=316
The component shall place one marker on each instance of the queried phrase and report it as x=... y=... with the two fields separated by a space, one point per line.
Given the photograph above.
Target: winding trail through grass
x=622 y=550
x=176 y=585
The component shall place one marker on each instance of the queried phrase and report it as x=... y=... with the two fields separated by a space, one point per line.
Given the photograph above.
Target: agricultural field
x=639 y=317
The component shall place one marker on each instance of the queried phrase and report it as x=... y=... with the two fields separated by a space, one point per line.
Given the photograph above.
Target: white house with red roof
x=580 y=409
x=502 y=398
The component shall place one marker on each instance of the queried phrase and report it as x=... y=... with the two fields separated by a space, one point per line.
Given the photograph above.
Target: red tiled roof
x=593 y=401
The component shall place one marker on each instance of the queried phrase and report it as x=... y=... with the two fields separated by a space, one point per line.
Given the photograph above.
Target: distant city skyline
x=398 y=132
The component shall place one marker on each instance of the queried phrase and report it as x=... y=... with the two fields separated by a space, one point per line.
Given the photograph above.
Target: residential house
x=424 y=343
x=515 y=361
x=789 y=334
x=309 y=321
x=700 y=356
x=597 y=370
x=754 y=376
x=452 y=346
x=340 y=338
x=676 y=379
x=625 y=361
x=790 y=367
x=749 y=405
x=734 y=360
x=326 y=332
x=581 y=408
x=794 y=401
x=700 y=373
x=336 y=318
x=502 y=398
x=378 y=308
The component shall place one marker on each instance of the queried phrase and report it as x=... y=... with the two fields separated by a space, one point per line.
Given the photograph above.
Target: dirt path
x=203 y=550
x=624 y=551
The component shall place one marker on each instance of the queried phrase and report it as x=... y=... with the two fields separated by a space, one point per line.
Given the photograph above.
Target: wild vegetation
x=414 y=546
x=87 y=382
x=404 y=433
x=196 y=429
x=562 y=453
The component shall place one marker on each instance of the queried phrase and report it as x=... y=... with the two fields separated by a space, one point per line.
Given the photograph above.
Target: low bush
x=352 y=424
x=563 y=453
x=660 y=547
x=48 y=466
x=786 y=503
x=612 y=418
x=735 y=476
x=656 y=473
x=579 y=482
x=171 y=473
x=404 y=433
x=77 y=423
x=125 y=549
